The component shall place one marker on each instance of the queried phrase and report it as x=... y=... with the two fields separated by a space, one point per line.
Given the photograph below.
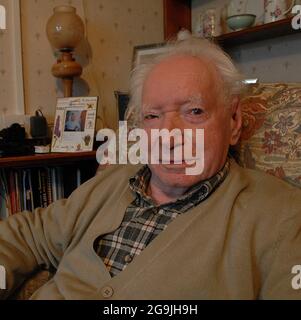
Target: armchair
x=270 y=141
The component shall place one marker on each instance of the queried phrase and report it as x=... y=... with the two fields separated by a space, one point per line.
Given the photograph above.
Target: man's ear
x=236 y=120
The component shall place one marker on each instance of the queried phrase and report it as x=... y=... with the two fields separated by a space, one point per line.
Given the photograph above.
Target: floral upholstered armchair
x=271 y=133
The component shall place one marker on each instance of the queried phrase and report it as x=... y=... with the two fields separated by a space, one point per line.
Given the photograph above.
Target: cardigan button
x=107 y=292
x=128 y=258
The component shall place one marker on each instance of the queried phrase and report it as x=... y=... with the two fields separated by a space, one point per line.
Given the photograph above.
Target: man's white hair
x=195 y=47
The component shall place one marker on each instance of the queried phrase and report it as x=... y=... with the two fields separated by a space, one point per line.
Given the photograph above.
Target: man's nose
x=170 y=122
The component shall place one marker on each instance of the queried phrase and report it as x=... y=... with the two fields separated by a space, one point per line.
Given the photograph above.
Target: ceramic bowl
x=241 y=21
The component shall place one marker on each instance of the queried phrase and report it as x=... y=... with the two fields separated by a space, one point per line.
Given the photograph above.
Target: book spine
x=12 y=192
x=28 y=191
x=60 y=183
x=54 y=184
x=17 y=199
x=24 y=191
x=19 y=190
x=49 y=186
x=4 y=197
x=35 y=187
x=40 y=188
x=44 y=188
x=5 y=181
x=78 y=177
x=31 y=189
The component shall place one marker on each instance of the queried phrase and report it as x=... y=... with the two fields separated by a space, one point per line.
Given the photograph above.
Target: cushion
x=271 y=132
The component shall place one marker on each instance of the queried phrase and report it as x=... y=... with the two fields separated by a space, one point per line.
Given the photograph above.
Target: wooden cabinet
x=177 y=15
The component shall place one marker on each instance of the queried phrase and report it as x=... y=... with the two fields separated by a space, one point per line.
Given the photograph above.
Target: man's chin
x=175 y=175
x=182 y=168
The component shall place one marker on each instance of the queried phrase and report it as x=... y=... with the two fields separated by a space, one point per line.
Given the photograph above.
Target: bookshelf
x=47 y=159
x=28 y=182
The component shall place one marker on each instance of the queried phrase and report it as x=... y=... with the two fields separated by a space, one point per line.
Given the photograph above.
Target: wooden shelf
x=257 y=33
x=177 y=15
x=46 y=159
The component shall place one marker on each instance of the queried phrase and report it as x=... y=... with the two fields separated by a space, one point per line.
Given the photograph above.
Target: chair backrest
x=271 y=133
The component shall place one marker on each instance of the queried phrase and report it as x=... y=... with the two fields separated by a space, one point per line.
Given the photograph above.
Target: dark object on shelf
x=12 y=142
x=15 y=133
x=38 y=125
x=122 y=103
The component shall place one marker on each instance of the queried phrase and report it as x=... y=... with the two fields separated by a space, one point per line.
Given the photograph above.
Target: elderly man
x=157 y=233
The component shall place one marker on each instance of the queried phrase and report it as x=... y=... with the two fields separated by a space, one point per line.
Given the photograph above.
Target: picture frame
x=144 y=52
x=74 y=124
x=140 y=55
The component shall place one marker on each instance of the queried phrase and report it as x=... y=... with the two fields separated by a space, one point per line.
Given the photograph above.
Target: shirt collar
x=196 y=194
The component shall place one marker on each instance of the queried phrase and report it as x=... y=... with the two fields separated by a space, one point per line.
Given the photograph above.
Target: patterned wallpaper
x=7 y=102
x=272 y=60
x=40 y=87
x=113 y=28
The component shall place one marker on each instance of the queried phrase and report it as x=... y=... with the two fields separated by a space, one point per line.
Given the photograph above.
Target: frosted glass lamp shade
x=65 y=29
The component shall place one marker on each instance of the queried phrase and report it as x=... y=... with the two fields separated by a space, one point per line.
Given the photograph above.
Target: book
x=35 y=184
x=4 y=197
x=31 y=190
x=60 y=183
x=12 y=192
x=43 y=188
x=53 y=184
x=49 y=186
x=28 y=201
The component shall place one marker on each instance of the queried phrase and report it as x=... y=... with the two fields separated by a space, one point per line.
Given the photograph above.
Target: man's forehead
x=193 y=74
x=180 y=79
x=184 y=64
x=183 y=60
x=196 y=99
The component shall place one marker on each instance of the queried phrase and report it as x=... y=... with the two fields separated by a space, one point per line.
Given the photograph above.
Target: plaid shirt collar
x=196 y=194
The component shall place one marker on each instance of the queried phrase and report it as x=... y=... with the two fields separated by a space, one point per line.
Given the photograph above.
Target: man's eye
x=151 y=117
x=196 y=111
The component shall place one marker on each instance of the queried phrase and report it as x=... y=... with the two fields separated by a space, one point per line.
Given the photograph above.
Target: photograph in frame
x=144 y=53
x=74 y=125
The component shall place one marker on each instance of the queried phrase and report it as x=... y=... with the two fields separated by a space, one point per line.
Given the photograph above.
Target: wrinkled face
x=184 y=92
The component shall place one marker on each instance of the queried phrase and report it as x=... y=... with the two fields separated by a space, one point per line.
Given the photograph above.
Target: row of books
x=27 y=189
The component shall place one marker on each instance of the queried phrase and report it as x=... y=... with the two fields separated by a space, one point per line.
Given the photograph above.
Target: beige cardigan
x=241 y=243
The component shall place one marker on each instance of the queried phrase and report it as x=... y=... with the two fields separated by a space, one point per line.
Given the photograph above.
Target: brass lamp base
x=66 y=69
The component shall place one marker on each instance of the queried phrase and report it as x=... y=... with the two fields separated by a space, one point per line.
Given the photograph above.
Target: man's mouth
x=177 y=162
